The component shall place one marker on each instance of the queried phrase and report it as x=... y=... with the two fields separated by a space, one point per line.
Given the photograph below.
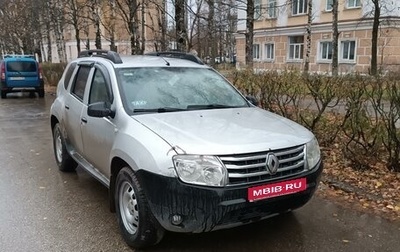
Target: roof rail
x=178 y=55
x=110 y=55
x=19 y=56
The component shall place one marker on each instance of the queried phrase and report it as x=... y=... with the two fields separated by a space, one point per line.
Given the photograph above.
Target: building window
x=271 y=8
x=353 y=3
x=269 y=52
x=296 y=47
x=329 y=5
x=257 y=9
x=299 y=7
x=256 y=51
x=348 y=50
x=325 y=50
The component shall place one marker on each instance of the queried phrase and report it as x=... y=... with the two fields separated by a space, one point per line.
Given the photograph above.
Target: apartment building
x=280 y=35
x=111 y=21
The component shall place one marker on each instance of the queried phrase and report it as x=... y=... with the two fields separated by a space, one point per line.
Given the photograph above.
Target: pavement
x=43 y=209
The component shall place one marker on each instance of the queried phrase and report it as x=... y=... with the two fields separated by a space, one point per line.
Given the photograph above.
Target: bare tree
x=75 y=13
x=335 y=38
x=374 y=39
x=128 y=9
x=249 y=34
x=180 y=24
x=308 y=37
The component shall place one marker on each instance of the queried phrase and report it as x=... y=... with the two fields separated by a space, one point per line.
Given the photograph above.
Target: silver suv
x=179 y=148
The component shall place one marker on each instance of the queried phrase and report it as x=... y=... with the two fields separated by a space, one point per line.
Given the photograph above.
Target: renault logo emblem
x=272 y=163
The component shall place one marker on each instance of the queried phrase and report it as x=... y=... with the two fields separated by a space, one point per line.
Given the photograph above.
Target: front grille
x=251 y=168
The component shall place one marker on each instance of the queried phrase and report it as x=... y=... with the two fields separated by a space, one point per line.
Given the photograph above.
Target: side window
x=98 y=90
x=80 y=82
x=68 y=74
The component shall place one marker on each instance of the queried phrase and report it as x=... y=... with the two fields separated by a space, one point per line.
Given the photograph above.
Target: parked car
x=179 y=148
x=21 y=73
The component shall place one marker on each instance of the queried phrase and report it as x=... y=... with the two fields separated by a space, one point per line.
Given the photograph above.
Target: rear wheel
x=3 y=94
x=41 y=93
x=138 y=225
x=64 y=161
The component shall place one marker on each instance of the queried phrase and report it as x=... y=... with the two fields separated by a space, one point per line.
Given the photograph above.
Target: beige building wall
x=355 y=28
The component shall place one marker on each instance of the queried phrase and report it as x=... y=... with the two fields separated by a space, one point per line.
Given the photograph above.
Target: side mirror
x=100 y=109
x=252 y=100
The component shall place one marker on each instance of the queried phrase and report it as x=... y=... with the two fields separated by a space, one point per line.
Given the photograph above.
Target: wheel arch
x=117 y=164
x=53 y=121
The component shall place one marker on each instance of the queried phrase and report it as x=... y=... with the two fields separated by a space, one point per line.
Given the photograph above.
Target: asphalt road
x=42 y=209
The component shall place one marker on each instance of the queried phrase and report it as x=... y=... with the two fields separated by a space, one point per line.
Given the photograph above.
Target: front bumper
x=205 y=209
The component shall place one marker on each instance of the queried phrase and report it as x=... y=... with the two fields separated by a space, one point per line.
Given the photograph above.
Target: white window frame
x=298 y=50
x=299 y=7
x=271 y=9
x=346 y=58
x=269 y=51
x=351 y=4
x=257 y=9
x=256 y=52
x=328 y=5
x=321 y=56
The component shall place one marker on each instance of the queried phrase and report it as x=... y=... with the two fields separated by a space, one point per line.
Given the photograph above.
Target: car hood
x=225 y=131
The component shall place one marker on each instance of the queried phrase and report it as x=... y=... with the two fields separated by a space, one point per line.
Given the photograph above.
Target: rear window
x=21 y=66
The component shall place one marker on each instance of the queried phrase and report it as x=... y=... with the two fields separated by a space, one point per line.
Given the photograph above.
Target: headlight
x=313 y=153
x=200 y=170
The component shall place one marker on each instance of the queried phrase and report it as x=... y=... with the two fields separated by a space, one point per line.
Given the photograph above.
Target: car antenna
x=166 y=61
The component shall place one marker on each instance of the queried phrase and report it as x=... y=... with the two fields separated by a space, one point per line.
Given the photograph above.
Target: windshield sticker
x=139 y=103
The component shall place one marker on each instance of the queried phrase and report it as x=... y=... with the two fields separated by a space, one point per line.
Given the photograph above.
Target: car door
x=98 y=134
x=74 y=105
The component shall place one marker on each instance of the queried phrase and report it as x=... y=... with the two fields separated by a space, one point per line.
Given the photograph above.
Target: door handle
x=84 y=120
x=66 y=107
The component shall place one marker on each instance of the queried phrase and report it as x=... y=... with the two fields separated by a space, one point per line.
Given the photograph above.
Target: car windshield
x=169 y=89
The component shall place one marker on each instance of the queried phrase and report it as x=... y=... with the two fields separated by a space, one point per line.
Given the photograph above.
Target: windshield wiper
x=157 y=110
x=210 y=106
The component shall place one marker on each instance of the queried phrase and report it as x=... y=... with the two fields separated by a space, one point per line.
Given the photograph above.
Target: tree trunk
x=180 y=25
x=163 y=22
x=143 y=48
x=249 y=33
x=211 y=32
x=78 y=40
x=335 y=38
x=58 y=22
x=49 y=43
x=98 y=34
x=113 y=47
x=308 y=38
x=374 y=39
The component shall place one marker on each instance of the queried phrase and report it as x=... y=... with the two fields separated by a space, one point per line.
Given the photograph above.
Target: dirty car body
x=179 y=148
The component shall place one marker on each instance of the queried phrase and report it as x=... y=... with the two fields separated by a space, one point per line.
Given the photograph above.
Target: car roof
x=19 y=58
x=162 y=59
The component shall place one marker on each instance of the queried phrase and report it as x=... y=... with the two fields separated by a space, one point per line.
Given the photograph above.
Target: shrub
x=52 y=72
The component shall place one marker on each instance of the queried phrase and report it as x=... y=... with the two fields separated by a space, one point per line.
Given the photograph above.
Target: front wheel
x=138 y=225
x=3 y=94
x=64 y=161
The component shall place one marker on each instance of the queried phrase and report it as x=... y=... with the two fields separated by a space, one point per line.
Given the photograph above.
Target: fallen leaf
x=390 y=207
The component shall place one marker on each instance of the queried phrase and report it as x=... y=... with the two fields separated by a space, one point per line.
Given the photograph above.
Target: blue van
x=20 y=73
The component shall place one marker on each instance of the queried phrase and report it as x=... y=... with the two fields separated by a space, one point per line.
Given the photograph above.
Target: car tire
x=139 y=227
x=41 y=93
x=64 y=161
x=3 y=94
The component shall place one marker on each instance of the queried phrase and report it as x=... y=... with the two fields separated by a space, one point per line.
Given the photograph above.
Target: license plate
x=17 y=78
x=276 y=189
